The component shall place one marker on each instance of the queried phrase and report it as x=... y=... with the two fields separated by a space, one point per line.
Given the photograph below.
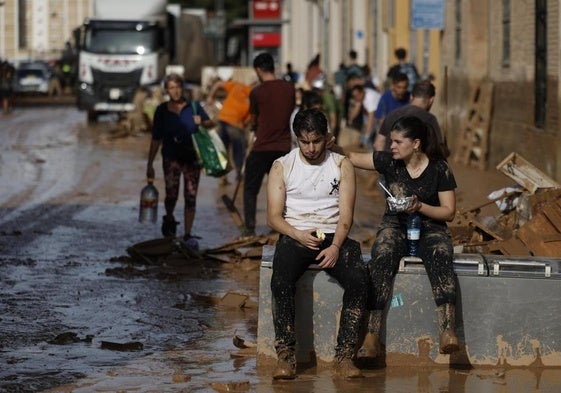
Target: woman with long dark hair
x=415 y=167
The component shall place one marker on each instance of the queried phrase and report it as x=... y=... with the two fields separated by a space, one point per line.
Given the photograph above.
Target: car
x=33 y=77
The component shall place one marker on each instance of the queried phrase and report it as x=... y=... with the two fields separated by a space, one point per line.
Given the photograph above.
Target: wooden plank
x=553 y=237
x=512 y=246
x=553 y=213
x=532 y=235
x=239 y=243
x=465 y=141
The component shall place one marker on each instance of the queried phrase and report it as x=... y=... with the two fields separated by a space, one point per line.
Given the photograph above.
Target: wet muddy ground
x=78 y=315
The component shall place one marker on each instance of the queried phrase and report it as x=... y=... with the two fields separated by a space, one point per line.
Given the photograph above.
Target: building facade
x=515 y=45
x=39 y=29
x=373 y=28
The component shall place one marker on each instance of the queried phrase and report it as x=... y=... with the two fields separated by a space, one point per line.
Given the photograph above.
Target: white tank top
x=312 y=191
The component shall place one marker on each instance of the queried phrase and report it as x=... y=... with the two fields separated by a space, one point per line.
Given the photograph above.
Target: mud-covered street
x=69 y=208
x=78 y=315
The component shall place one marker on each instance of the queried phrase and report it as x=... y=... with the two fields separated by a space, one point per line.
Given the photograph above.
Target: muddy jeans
x=257 y=165
x=436 y=251
x=290 y=261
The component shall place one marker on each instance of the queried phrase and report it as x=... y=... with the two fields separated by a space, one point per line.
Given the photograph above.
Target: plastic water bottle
x=148 y=203
x=414 y=224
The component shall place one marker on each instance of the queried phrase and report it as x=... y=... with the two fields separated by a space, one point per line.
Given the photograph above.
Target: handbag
x=210 y=149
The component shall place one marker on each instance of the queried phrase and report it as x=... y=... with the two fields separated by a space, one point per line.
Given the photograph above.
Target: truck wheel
x=92 y=116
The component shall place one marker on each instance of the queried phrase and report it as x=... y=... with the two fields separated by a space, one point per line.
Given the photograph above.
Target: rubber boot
x=371 y=345
x=346 y=368
x=169 y=226
x=446 y=327
x=286 y=364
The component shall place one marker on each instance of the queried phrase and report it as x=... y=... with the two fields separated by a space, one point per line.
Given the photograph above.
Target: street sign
x=427 y=14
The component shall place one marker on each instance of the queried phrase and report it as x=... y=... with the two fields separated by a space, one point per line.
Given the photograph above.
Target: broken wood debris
x=243 y=249
x=532 y=228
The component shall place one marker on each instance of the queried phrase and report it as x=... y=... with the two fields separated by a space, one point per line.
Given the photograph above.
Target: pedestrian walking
x=7 y=75
x=290 y=75
x=403 y=67
x=174 y=123
x=311 y=191
x=233 y=118
x=270 y=106
x=422 y=98
x=365 y=103
x=415 y=167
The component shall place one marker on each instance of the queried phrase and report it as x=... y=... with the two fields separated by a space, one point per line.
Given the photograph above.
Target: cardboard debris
x=235 y=300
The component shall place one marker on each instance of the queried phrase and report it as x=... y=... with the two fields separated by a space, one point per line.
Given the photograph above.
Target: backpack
x=411 y=72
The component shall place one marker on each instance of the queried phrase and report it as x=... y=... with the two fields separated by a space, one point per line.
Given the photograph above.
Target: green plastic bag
x=210 y=150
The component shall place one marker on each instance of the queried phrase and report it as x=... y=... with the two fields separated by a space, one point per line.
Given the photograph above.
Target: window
x=22 y=24
x=540 y=78
x=458 y=36
x=506 y=34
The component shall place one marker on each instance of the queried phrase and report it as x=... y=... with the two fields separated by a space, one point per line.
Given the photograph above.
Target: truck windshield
x=117 y=41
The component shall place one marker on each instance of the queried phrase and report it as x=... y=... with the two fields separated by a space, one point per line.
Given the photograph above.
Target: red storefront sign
x=266 y=9
x=266 y=39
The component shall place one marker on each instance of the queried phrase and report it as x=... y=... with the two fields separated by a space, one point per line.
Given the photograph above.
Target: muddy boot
x=169 y=226
x=371 y=345
x=286 y=364
x=345 y=367
x=446 y=327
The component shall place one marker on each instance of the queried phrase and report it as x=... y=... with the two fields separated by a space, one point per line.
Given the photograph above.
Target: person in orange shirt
x=233 y=118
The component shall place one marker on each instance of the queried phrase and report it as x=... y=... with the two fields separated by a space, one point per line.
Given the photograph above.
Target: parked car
x=33 y=77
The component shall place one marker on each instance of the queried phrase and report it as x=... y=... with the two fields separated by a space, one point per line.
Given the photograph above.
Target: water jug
x=148 y=203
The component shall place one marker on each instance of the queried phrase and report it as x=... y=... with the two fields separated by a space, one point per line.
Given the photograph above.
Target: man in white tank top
x=310 y=202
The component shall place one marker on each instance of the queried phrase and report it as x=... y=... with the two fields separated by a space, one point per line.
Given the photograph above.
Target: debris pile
x=530 y=220
x=245 y=250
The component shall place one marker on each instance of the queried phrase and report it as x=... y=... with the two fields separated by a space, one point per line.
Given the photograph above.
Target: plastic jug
x=149 y=203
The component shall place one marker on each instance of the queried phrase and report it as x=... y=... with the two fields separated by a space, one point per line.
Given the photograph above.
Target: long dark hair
x=412 y=127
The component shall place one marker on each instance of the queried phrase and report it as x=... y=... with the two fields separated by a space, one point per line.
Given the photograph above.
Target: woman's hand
x=416 y=205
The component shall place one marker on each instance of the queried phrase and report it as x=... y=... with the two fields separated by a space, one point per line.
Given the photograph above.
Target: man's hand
x=308 y=240
x=328 y=257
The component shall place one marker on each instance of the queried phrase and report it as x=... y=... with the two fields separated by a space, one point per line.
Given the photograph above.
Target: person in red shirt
x=270 y=106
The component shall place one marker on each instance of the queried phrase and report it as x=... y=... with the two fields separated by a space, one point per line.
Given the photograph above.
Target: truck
x=127 y=45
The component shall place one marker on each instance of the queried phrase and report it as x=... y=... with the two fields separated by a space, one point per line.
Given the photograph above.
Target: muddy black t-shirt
x=436 y=177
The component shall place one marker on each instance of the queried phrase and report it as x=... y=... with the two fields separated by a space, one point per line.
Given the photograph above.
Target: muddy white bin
x=507 y=314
